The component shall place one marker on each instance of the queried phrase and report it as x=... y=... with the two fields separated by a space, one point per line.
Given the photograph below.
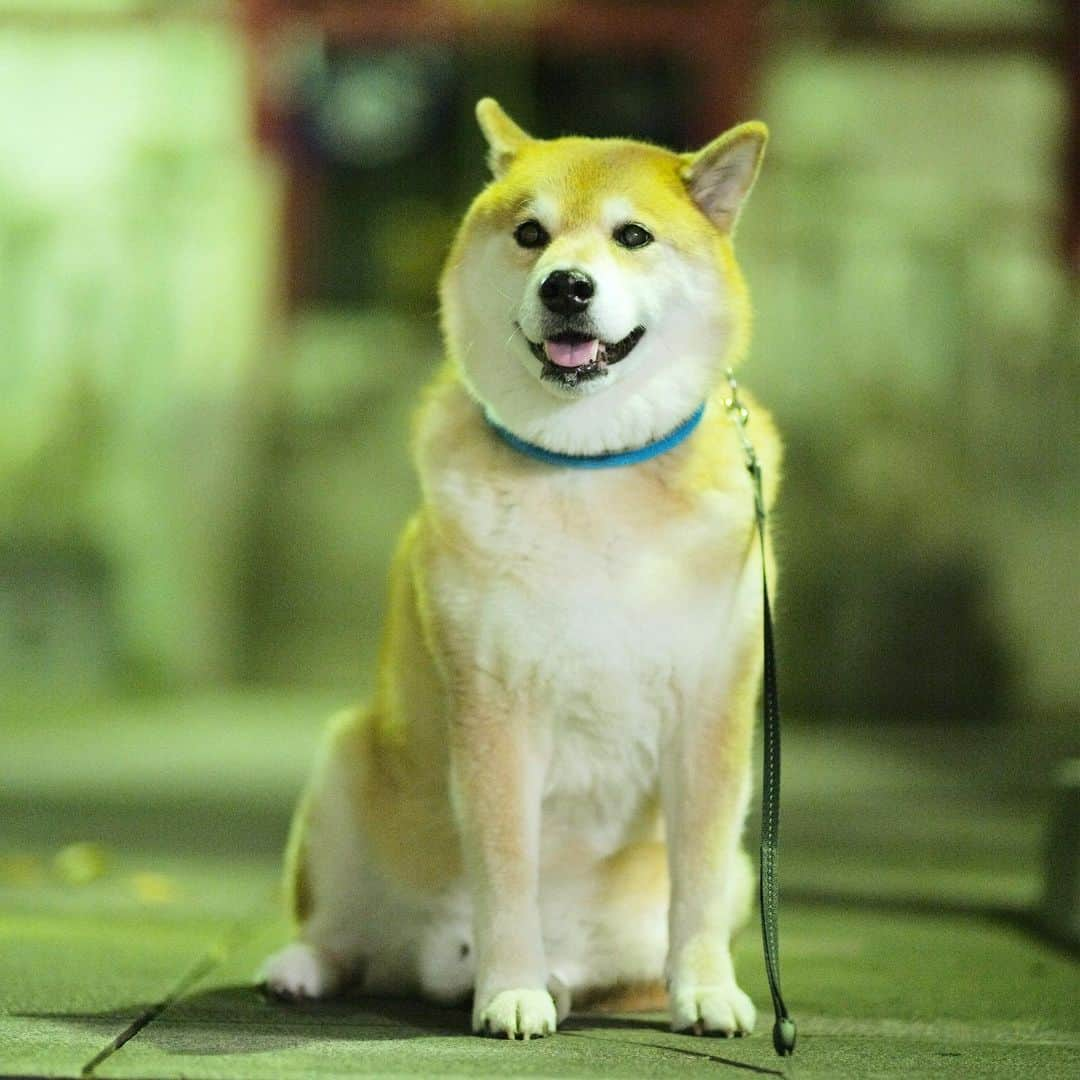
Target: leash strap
x=784 y=1026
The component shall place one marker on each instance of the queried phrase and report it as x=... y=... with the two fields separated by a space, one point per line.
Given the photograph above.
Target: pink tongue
x=567 y=354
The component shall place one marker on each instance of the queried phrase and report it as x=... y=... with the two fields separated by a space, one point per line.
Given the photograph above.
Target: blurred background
x=221 y=227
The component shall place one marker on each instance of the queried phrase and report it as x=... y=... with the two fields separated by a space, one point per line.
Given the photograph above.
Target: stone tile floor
x=909 y=866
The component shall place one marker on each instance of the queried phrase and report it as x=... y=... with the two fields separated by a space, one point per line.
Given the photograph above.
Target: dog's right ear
x=504 y=137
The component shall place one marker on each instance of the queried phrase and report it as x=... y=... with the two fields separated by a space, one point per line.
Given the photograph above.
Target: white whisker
x=516 y=330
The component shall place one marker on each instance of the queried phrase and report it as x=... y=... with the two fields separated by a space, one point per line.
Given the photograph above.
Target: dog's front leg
x=497 y=791
x=706 y=787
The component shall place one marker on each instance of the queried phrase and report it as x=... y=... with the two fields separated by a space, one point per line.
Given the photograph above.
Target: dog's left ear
x=720 y=176
x=504 y=137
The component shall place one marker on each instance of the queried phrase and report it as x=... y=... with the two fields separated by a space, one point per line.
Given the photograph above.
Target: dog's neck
x=610 y=459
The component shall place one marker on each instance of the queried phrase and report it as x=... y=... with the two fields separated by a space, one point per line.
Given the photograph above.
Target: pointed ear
x=504 y=137
x=720 y=176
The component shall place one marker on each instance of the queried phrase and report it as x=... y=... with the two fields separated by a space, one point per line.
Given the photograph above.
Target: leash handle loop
x=784 y=1030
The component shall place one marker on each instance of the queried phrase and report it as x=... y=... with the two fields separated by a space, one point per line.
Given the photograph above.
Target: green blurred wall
x=920 y=341
x=137 y=241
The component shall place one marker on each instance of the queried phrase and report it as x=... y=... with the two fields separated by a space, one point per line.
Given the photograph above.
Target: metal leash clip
x=741 y=415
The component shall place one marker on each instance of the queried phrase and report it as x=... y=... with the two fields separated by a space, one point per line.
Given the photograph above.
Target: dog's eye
x=531 y=234
x=632 y=235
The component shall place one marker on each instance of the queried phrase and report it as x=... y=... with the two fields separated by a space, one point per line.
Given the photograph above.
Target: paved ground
x=907 y=863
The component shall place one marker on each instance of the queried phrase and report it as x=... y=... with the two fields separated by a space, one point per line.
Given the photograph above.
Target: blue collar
x=602 y=461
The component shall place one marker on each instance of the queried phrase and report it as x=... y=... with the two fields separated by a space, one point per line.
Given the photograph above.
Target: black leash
x=784 y=1026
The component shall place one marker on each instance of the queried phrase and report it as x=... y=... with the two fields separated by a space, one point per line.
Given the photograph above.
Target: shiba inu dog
x=544 y=801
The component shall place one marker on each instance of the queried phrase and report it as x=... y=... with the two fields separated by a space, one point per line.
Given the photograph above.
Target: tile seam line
x=212 y=957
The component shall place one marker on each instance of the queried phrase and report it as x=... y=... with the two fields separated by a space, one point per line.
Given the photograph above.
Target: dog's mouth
x=570 y=358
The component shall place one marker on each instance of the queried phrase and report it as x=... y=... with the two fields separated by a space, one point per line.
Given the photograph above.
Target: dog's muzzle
x=571 y=357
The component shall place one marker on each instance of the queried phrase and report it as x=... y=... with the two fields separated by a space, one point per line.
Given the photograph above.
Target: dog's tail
x=648 y=996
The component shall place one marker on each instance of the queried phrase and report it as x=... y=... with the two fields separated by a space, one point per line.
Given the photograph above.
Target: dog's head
x=592 y=297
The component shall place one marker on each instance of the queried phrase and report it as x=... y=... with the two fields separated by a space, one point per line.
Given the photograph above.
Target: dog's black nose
x=567 y=292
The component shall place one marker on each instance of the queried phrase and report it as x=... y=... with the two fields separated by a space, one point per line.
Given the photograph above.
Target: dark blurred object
x=1071 y=51
x=56 y=617
x=371 y=134
x=1061 y=900
x=375 y=138
x=650 y=98
x=377 y=123
x=898 y=636
x=718 y=40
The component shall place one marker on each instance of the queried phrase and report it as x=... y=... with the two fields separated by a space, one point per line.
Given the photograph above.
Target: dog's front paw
x=712 y=1010
x=515 y=1014
x=299 y=972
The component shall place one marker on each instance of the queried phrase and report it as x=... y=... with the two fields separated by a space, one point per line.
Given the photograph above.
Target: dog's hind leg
x=325 y=878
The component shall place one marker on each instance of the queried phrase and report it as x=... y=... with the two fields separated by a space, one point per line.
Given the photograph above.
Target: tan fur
x=629 y=998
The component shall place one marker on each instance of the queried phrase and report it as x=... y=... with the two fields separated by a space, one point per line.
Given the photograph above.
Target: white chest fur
x=600 y=602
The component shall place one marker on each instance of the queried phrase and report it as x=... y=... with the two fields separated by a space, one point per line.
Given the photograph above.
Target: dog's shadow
x=241 y=1020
